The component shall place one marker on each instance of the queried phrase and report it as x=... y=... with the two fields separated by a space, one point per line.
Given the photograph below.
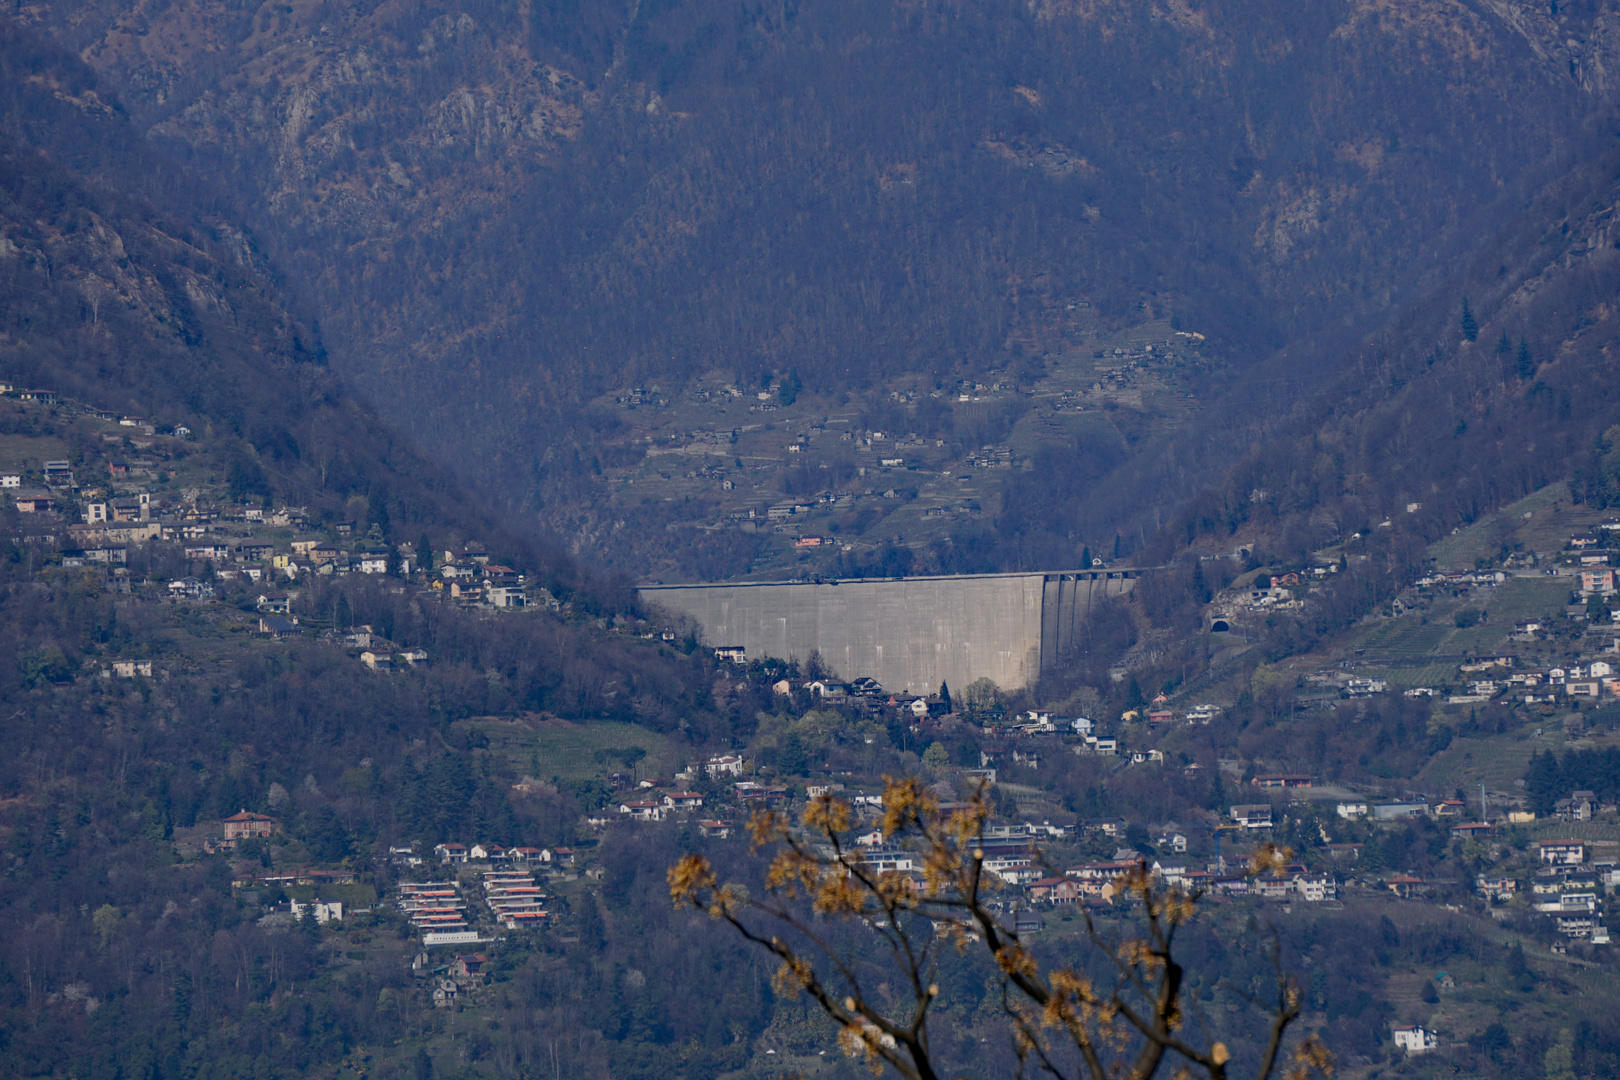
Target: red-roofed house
x=643 y=809
x=244 y=825
x=1055 y=890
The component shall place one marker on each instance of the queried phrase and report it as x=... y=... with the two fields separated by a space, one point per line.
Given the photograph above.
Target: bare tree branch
x=1124 y=1032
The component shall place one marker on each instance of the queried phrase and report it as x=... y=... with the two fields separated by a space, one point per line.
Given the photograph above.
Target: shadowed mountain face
x=126 y=285
x=498 y=211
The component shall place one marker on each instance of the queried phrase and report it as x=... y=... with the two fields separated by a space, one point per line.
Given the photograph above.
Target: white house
x=1253 y=815
x=1562 y=852
x=506 y=596
x=1415 y=1040
x=325 y=910
x=643 y=810
x=1014 y=869
x=1315 y=889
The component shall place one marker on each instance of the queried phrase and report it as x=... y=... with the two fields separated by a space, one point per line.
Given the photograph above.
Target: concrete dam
x=910 y=634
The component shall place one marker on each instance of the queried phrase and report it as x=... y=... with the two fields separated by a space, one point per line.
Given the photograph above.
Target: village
x=816 y=483
x=1532 y=630
x=460 y=899
x=132 y=485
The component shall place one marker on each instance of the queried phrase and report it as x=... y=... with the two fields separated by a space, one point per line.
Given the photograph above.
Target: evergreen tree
x=1504 y=356
x=1470 y=328
x=945 y=696
x=1520 y=977
x=1544 y=782
x=790 y=759
x=1200 y=588
x=1085 y=558
x=790 y=388
x=1527 y=364
x=309 y=926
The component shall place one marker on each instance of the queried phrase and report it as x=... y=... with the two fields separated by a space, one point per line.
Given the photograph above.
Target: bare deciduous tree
x=1063 y=1022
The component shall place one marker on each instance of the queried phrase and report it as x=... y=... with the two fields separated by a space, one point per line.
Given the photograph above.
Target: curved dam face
x=910 y=634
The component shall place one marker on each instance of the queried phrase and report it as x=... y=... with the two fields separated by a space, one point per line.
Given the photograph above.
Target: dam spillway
x=910 y=634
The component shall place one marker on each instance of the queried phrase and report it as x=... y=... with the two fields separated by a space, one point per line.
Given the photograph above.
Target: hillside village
x=1531 y=629
x=125 y=487
x=1503 y=860
x=784 y=480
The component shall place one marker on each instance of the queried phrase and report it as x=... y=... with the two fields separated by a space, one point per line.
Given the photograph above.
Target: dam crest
x=910 y=634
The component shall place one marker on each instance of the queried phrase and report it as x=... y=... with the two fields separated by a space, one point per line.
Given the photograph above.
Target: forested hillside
x=128 y=287
x=498 y=211
x=392 y=339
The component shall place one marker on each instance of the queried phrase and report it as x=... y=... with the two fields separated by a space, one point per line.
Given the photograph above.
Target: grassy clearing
x=352 y=896
x=1524 y=598
x=574 y=751
x=30 y=451
x=1478 y=541
x=1486 y=537
x=1467 y=763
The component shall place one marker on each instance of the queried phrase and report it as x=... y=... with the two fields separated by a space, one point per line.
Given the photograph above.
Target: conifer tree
x=1470 y=328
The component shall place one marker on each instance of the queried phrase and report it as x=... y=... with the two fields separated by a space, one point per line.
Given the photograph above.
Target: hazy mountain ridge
x=497 y=210
x=125 y=289
x=134 y=283
x=1424 y=417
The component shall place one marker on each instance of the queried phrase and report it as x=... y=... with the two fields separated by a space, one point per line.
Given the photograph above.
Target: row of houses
x=659 y=806
x=1103 y=882
x=513 y=898
x=452 y=853
x=1566 y=887
x=433 y=906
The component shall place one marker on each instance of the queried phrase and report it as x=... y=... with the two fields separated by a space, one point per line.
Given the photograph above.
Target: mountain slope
x=498 y=211
x=125 y=288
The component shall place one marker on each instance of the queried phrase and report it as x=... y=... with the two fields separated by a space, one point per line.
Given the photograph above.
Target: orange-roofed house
x=245 y=825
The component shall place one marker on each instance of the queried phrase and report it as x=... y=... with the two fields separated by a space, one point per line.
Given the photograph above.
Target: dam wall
x=910 y=634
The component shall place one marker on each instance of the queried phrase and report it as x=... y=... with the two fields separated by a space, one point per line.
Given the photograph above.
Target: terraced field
x=1404 y=638
x=1404 y=677
x=1467 y=763
x=1525 y=598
